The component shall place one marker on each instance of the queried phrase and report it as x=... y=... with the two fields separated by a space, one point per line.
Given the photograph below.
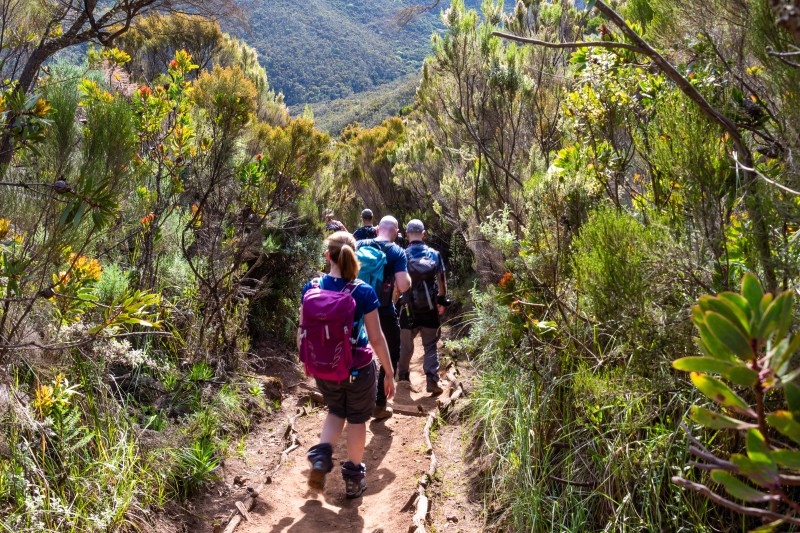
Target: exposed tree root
x=422 y=504
x=456 y=391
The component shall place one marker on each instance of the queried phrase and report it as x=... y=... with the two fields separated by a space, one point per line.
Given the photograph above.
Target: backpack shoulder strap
x=380 y=245
x=352 y=286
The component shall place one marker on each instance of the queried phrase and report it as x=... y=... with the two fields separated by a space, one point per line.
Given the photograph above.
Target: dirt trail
x=396 y=461
x=395 y=458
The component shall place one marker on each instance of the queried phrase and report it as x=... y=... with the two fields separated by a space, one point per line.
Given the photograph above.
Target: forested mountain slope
x=319 y=50
x=368 y=108
x=351 y=60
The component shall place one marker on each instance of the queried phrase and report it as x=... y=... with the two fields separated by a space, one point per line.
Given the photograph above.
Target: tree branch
x=643 y=47
x=763 y=177
x=719 y=500
x=760 y=230
x=573 y=45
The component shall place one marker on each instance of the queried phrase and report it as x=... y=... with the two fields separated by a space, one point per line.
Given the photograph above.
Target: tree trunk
x=787 y=17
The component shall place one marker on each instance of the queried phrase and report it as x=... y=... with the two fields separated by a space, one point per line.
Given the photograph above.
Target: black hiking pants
x=390 y=325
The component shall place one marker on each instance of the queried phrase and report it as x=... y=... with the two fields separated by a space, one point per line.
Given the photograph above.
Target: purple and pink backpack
x=327 y=336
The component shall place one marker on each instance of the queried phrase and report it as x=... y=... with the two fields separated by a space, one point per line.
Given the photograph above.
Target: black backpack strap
x=374 y=243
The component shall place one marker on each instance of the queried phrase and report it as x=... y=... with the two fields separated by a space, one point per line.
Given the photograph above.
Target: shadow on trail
x=339 y=513
x=408 y=400
x=379 y=446
x=317 y=518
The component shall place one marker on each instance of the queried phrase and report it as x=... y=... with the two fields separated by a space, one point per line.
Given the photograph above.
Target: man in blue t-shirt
x=395 y=274
x=367 y=231
x=421 y=306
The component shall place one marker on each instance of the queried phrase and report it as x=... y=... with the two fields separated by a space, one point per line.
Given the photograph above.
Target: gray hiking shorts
x=352 y=400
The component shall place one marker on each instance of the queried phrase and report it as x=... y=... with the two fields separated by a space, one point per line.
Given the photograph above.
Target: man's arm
x=402 y=281
x=378 y=342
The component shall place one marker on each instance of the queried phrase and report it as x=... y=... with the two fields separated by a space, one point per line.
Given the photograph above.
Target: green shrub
x=114 y=282
x=70 y=461
x=286 y=270
x=570 y=446
x=177 y=276
x=612 y=264
x=196 y=466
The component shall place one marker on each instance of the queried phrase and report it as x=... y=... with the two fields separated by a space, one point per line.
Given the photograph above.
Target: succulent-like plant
x=747 y=345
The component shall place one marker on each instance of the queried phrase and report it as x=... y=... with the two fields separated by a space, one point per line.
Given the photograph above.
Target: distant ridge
x=321 y=50
x=368 y=108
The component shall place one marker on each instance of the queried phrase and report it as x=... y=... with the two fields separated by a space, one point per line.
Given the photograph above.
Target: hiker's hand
x=441 y=309
x=388 y=386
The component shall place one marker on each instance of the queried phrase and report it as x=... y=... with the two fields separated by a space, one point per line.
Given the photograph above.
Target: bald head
x=388 y=228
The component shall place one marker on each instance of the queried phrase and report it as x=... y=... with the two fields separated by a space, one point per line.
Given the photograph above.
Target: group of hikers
x=374 y=300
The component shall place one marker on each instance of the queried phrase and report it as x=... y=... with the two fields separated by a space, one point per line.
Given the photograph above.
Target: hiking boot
x=382 y=412
x=321 y=459
x=404 y=375
x=433 y=386
x=355 y=481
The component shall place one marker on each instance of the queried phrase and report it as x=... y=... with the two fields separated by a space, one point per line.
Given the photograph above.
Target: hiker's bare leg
x=356 y=441
x=332 y=430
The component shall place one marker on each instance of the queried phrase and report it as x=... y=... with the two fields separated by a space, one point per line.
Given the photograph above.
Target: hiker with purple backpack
x=338 y=324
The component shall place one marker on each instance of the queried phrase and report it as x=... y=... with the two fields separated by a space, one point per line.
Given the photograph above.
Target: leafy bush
x=612 y=264
x=558 y=431
x=113 y=283
x=196 y=466
x=287 y=270
x=75 y=468
x=162 y=188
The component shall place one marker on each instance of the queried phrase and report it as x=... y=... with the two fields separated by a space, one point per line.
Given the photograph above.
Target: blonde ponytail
x=342 y=249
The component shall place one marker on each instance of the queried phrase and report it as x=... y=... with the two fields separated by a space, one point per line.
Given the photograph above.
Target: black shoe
x=382 y=412
x=403 y=376
x=433 y=386
x=355 y=480
x=321 y=459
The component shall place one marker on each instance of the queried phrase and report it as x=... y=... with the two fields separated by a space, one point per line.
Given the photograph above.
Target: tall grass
x=573 y=447
x=79 y=455
x=72 y=466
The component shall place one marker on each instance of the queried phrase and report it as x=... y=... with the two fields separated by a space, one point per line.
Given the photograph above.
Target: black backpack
x=365 y=232
x=422 y=267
